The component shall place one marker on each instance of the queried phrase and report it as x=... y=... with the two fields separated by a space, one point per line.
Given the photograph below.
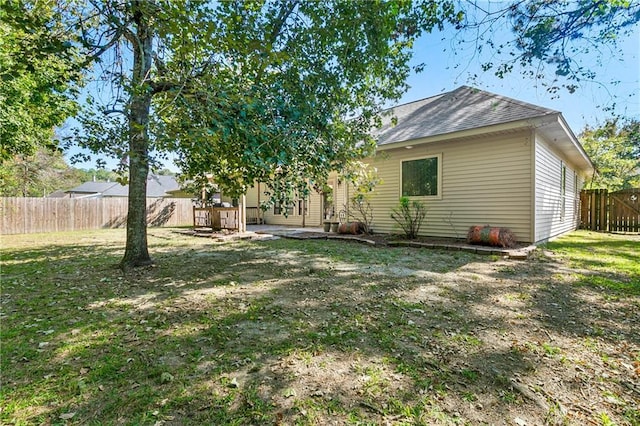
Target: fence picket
x=605 y=211
x=23 y=215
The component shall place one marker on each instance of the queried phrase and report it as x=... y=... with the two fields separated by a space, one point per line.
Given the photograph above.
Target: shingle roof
x=464 y=108
x=93 y=187
x=157 y=186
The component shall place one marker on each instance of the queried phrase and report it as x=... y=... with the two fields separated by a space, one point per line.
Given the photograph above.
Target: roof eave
x=559 y=133
x=462 y=134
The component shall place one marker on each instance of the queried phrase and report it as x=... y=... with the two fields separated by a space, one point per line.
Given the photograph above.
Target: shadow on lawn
x=259 y=333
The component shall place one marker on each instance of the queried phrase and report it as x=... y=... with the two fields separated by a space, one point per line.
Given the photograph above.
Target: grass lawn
x=317 y=332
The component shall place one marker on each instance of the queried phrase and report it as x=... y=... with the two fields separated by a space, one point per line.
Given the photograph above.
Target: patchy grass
x=604 y=261
x=316 y=332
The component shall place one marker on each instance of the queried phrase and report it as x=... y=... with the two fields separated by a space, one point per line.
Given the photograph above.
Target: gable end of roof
x=464 y=108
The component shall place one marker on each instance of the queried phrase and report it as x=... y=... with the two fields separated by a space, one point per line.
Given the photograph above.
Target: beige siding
x=254 y=196
x=313 y=217
x=485 y=181
x=342 y=195
x=554 y=216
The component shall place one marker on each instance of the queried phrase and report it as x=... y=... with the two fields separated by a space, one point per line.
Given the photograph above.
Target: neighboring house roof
x=157 y=186
x=466 y=111
x=58 y=194
x=92 y=187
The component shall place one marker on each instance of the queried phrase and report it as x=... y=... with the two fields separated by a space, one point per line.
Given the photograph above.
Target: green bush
x=409 y=215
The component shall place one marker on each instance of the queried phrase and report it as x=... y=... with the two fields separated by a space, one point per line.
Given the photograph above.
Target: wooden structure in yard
x=619 y=211
x=216 y=218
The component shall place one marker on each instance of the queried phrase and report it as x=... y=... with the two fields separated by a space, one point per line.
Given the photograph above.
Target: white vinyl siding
x=556 y=199
x=485 y=181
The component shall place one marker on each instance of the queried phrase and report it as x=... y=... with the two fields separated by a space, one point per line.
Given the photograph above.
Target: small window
x=576 y=198
x=421 y=177
x=563 y=190
x=278 y=210
x=303 y=207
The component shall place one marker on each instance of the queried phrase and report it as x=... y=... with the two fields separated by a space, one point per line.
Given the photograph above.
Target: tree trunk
x=136 y=251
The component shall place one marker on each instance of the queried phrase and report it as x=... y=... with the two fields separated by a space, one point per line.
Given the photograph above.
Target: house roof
x=93 y=187
x=464 y=108
x=157 y=186
x=467 y=109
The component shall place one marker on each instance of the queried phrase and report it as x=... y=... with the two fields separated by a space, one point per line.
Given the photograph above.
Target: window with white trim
x=279 y=210
x=421 y=177
x=563 y=190
x=303 y=207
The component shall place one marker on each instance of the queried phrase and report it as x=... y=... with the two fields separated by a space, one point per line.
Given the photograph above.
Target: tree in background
x=37 y=175
x=99 y=175
x=40 y=74
x=614 y=148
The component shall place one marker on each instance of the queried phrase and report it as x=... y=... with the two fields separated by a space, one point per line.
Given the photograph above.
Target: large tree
x=248 y=90
x=614 y=148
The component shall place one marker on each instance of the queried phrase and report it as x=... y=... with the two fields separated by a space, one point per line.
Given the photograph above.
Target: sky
x=449 y=65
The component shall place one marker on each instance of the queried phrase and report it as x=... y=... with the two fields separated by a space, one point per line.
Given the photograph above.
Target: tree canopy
x=550 y=38
x=614 y=148
x=277 y=91
x=292 y=90
x=40 y=74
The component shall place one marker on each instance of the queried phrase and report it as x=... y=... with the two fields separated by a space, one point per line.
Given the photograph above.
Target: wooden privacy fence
x=601 y=210
x=29 y=215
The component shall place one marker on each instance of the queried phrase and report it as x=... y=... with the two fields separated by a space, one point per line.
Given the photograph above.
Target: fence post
x=604 y=210
x=592 y=210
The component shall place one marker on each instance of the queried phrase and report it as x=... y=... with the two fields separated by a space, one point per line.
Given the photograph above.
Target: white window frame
x=438 y=196
x=563 y=191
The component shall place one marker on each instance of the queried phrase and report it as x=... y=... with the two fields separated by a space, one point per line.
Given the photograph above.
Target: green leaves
x=409 y=215
x=291 y=89
x=39 y=75
x=614 y=149
x=554 y=41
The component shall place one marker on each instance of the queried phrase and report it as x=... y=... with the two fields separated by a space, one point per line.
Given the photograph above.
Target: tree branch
x=278 y=27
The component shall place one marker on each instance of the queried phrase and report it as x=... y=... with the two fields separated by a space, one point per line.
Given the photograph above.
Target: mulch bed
x=519 y=251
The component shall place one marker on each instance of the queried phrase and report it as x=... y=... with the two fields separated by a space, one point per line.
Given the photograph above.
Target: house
x=474 y=158
x=158 y=186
